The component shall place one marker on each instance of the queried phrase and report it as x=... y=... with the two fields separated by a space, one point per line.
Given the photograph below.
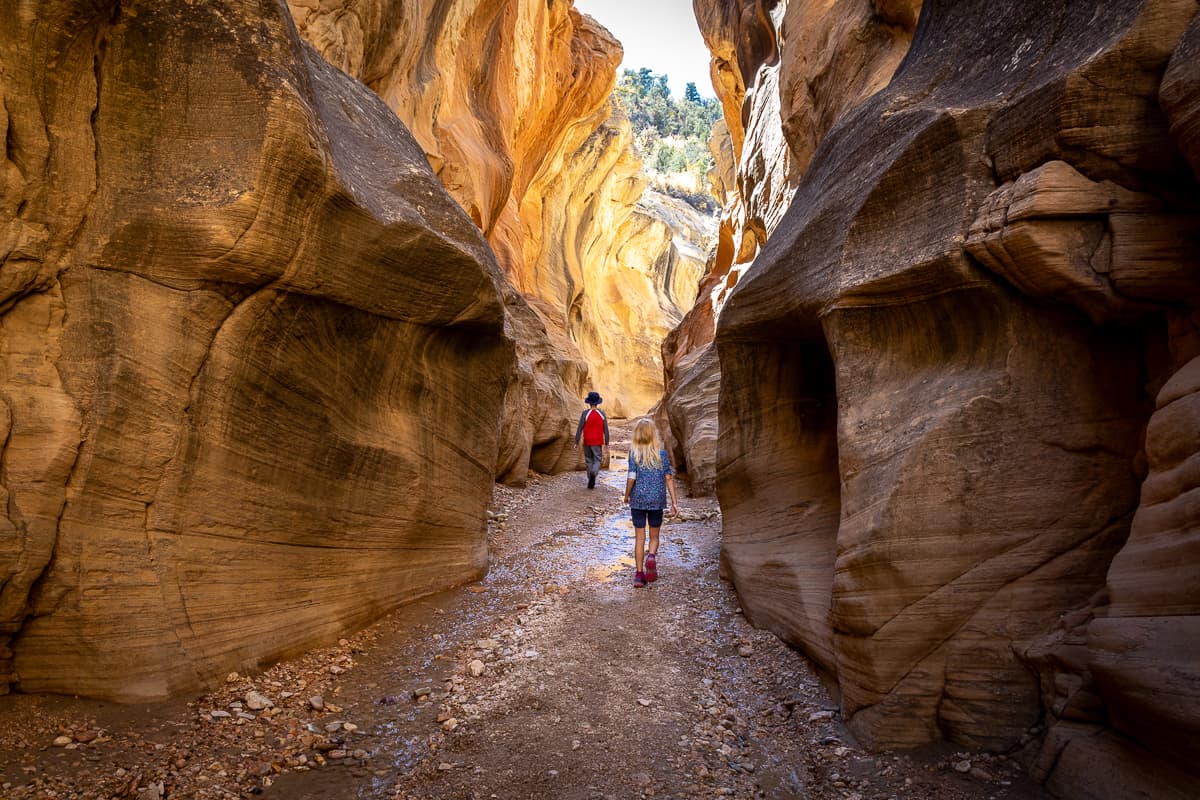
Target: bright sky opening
x=659 y=34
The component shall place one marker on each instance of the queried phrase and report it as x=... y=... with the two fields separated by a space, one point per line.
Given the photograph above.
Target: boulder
x=253 y=357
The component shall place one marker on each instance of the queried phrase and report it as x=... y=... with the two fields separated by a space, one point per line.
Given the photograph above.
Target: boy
x=593 y=428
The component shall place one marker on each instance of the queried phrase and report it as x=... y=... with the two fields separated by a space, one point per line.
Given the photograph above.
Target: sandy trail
x=551 y=678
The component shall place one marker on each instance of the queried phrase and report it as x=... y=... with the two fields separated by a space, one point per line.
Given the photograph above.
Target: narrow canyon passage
x=551 y=678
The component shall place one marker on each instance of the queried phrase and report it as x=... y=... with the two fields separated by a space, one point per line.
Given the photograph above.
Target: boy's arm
x=579 y=430
x=605 y=418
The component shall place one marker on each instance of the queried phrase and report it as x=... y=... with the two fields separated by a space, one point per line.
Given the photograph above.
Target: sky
x=659 y=34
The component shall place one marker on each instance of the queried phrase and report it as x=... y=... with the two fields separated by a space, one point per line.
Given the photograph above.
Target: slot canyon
x=300 y=302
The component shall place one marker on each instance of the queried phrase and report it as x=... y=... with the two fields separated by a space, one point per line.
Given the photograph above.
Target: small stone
x=981 y=774
x=841 y=752
x=745 y=651
x=338 y=754
x=83 y=737
x=219 y=714
x=333 y=727
x=63 y=741
x=487 y=644
x=644 y=702
x=349 y=727
x=232 y=677
x=423 y=691
x=256 y=701
x=444 y=767
x=316 y=703
x=476 y=668
x=450 y=724
x=820 y=716
x=336 y=670
x=962 y=766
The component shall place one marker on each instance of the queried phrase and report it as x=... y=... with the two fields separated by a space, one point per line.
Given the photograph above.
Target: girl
x=646 y=491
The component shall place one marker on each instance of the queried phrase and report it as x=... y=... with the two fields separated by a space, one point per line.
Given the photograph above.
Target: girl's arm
x=671 y=490
x=628 y=489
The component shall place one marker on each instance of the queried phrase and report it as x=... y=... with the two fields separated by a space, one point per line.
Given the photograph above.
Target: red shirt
x=593 y=427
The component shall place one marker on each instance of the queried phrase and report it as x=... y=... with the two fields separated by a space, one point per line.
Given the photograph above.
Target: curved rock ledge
x=941 y=466
x=252 y=354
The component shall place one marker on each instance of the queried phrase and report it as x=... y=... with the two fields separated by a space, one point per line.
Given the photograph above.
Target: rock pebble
x=256 y=701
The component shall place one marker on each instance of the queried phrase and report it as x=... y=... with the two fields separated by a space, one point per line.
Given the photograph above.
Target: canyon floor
x=551 y=678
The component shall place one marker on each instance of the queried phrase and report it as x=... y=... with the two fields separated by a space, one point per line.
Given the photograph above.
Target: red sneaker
x=651 y=568
x=639 y=580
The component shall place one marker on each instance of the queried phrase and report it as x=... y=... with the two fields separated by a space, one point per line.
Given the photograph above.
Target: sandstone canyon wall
x=958 y=429
x=518 y=127
x=784 y=71
x=252 y=354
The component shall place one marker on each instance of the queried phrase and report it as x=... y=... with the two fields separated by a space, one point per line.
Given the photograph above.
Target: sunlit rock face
x=784 y=72
x=617 y=263
x=509 y=99
x=253 y=356
x=960 y=370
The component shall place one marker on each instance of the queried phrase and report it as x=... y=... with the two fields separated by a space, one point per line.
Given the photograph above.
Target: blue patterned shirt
x=650 y=484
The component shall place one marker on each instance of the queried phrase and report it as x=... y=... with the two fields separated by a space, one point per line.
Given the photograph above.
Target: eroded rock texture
x=253 y=355
x=617 y=264
x=938 y=377
x=784 y=71
x=517 y=126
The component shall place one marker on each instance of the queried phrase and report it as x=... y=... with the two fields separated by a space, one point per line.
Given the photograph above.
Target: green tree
x=670 y=135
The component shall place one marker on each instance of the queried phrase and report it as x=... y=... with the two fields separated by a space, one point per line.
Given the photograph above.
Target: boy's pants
x=593 y=454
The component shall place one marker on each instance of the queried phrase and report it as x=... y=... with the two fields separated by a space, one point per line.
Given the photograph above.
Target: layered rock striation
x=956 y=417
x=784 y=72
x=253 y=355
x=519 y=129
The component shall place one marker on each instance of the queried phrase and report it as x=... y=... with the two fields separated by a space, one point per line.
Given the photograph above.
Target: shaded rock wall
x=938 y=394
x=252 y=354
x=517 y=125
x=785 y=71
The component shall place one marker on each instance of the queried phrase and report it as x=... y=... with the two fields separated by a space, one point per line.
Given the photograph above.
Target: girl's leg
x=651 y=557
x=639 y=548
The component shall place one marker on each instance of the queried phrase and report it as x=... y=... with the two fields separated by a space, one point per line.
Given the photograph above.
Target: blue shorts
x=641 y=516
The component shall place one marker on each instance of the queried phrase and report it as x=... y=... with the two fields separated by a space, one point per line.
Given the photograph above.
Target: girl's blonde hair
x=646 y=450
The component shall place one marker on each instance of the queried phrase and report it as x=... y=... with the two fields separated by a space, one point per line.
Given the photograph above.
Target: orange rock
x=931 y=430
x=256 y=354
